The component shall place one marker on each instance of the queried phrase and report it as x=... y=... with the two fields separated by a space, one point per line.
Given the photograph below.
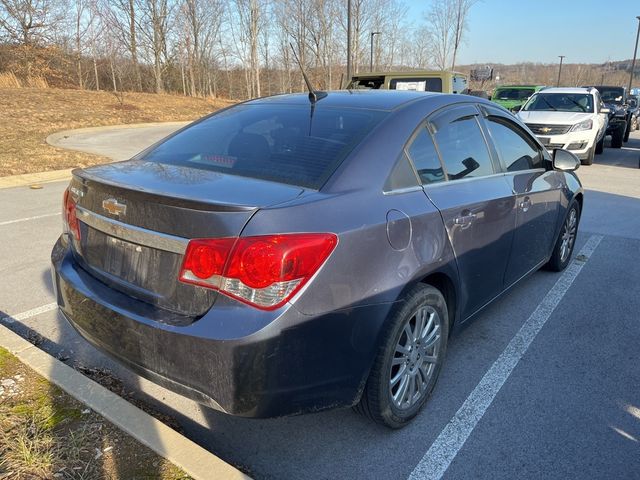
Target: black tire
x=377 y=400
x=627 y=131
x=634 y=123
x=589 y=159
x=559 y=259
x=617 y=136
x=600 y=146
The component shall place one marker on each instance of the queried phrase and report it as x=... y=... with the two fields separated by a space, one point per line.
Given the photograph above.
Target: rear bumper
x=270 y=364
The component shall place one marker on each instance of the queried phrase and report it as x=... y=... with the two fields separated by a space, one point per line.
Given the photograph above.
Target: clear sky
x=513 y=31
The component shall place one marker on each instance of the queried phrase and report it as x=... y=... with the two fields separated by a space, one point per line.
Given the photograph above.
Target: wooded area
x=232 y=48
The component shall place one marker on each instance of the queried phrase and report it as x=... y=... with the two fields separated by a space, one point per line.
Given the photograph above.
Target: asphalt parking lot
x=543 y=384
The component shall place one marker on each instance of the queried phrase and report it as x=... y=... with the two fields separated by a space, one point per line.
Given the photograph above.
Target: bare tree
x=30 y=22
x=461 y=12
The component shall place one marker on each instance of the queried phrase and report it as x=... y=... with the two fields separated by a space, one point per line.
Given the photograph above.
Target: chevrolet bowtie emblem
x=114 y=207
x=545 y=129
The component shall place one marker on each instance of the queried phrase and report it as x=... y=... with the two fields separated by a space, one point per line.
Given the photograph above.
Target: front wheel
x=600 y=146
x=590 y=155
x=618 y=135
x=566 y=241
x=627 y=132
x=409 y=360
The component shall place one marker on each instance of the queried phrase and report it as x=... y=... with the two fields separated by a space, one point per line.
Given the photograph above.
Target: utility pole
x=373 y=34
x=633 y=64
x=348 y=41
x=560 y=70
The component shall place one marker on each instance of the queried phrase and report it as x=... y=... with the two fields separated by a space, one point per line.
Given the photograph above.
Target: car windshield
x=560 y=102
x=611 y=95
x=281 y=143
x=513 y=93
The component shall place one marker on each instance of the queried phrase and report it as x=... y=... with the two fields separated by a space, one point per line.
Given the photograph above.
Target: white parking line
x=445 y=448
x=29 y=313
x=26 y=219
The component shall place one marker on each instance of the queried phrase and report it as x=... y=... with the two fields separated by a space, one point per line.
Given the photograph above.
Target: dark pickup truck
x=615 y=98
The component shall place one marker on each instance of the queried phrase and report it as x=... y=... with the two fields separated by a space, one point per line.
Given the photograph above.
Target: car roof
x=366 y=99
x=565 y=90
x=410 y=73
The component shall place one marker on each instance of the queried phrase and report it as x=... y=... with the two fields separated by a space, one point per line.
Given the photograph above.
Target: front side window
x=462 y=147
x=280 y=143
x=425 y=158
x=516 y=150
x=560 y=102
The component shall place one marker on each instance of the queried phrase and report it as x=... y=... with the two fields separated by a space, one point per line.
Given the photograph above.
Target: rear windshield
x=513 y=93
x=611 y=94
x=281 y=143
x=418 y=84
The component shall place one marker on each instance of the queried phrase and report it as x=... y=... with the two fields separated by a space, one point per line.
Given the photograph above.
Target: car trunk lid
x=137 y=218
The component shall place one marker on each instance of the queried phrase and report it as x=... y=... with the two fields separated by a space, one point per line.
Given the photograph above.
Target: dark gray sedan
x=285 y=256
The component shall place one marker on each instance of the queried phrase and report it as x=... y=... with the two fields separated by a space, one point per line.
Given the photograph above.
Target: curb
x=55 y=137
x=35 y=178
x=26 y=179
x=182 y=452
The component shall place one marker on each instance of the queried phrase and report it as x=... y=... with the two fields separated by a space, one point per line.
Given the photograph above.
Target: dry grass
x=29 y=115
x=45 y=433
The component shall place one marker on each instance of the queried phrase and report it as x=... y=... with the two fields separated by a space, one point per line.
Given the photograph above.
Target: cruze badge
x=114 y=207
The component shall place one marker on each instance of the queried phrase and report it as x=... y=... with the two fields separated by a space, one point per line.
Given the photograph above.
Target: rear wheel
x=409 y=361
x=617 y=136
x=564 y=246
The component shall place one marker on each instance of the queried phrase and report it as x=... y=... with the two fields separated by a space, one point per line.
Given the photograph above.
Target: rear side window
x=462 y=147
x=417 y=84
x=281 y=143
x=425 y=158
x=516 y=150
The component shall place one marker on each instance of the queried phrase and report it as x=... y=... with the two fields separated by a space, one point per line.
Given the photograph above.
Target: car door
x=536 y=189
x=475 y=202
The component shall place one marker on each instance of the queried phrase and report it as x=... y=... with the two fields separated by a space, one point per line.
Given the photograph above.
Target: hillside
x=29 y=115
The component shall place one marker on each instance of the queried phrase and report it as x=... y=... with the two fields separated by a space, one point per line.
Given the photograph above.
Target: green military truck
x=419 y=80
x=512 y=96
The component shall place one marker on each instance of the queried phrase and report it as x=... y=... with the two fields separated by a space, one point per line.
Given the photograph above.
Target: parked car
x=615 y=99
x=442 y=81
x=571 y=118
x=512 y=96
x=284 y=256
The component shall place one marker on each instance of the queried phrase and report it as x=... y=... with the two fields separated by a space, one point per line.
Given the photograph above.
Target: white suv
x=571 y=118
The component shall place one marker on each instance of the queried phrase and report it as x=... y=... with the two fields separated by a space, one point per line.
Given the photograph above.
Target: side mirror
x=516 y=109
x=565 y=161
x=605 y=110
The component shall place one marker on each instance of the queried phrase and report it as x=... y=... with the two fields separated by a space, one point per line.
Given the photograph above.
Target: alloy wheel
x=568 y=235
x=415 y=357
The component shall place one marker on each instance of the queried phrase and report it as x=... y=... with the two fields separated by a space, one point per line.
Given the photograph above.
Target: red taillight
x=69 y=215
x=264 y=271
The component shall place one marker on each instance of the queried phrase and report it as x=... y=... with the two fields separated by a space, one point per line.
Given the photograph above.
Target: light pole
x=560 y=70
x=373 y=34
x=633 y=64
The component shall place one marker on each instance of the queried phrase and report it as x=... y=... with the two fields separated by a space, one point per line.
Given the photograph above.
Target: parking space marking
x=445 y=448
x=29 y=313
x=26 y=219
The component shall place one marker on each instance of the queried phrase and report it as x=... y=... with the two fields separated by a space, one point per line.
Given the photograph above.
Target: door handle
x=465 y=220
x=525 y=204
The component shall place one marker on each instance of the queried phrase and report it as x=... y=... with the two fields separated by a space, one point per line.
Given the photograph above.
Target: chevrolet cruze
x=293 y=254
